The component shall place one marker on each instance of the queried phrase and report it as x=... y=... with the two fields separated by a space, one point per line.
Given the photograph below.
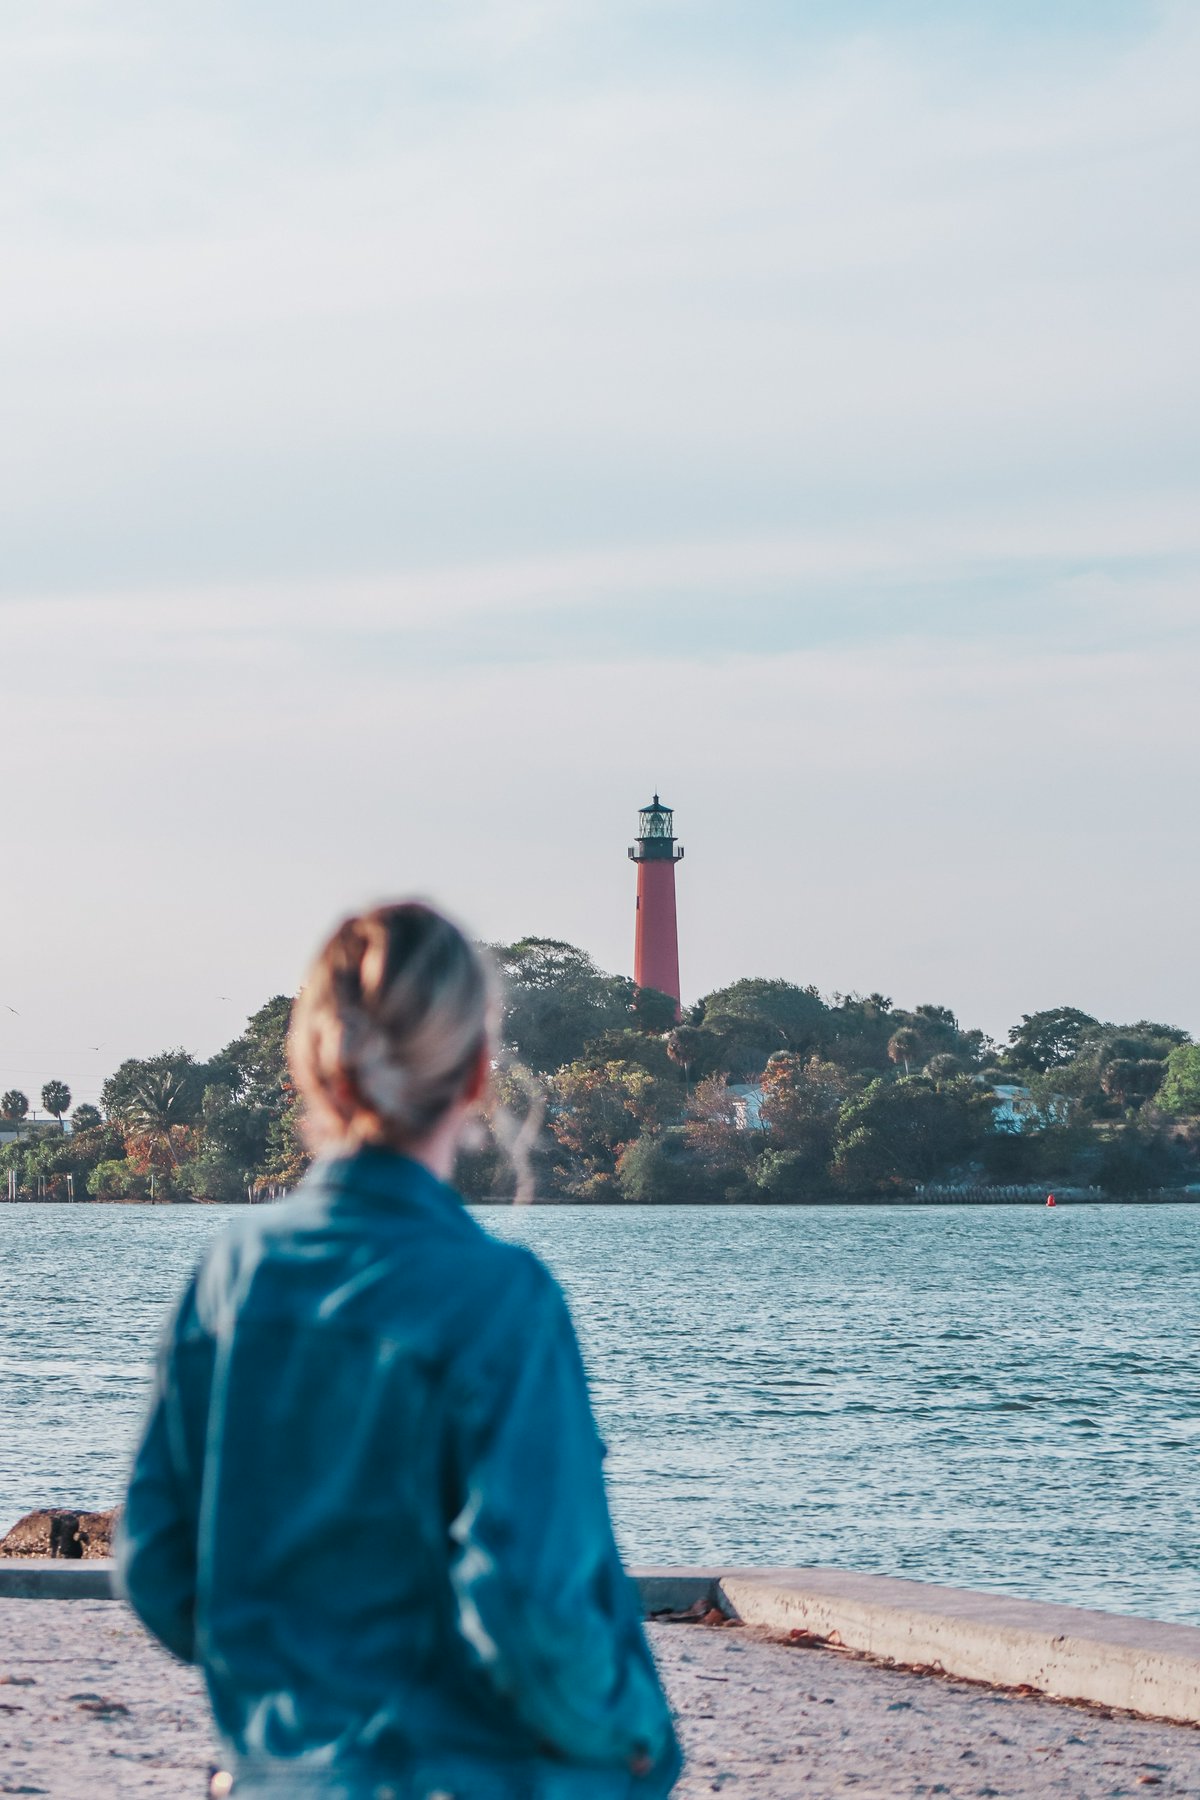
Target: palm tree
x=13 y=1106
x=902 y=1045
x=56 y=1098
x=945 y=1066
x=163 y=1099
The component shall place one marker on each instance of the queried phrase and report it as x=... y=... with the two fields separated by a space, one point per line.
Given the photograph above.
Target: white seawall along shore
x=1066 y=1652
x=1069 y=1653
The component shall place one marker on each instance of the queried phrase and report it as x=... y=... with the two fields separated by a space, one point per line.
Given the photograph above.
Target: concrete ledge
x=56 y=1578
x=678 y=1590
x=1067 y=1652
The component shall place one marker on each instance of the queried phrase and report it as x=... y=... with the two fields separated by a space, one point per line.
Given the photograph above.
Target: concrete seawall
x=44 y=1578
x=1070 y=1653
x=1067 y=1652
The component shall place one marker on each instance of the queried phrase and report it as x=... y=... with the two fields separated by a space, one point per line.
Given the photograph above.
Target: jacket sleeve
x=543 y=1601
x=156 y=1542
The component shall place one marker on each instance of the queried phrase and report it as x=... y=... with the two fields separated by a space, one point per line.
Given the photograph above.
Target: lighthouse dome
x=656 y=820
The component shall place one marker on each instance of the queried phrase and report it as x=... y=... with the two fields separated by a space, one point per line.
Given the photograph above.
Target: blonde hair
x=390 y=1026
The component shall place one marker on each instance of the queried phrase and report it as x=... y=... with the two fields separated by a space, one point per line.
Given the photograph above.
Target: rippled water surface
x=1002 y=1397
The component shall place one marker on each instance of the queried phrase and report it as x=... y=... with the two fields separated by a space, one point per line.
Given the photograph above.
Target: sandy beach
x=90 y=1709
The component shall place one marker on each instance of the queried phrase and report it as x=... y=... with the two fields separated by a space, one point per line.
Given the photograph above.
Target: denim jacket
x=369 y=1503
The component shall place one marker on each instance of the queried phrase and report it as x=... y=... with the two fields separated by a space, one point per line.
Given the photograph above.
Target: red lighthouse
x=656 y=939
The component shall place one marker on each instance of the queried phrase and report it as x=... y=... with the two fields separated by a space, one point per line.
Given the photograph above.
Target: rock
x=59 y=1531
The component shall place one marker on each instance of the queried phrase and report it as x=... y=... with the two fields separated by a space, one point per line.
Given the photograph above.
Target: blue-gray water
x=1003 y=1397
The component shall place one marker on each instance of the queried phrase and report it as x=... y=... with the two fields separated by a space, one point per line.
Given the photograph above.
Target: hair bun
x=390 y=1024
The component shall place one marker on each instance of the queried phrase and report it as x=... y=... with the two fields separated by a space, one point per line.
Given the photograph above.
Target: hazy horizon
x=429 y=435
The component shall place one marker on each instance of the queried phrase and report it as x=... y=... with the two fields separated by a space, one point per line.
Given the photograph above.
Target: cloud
x=425 y=434
x=941 y=816
x=870 y=277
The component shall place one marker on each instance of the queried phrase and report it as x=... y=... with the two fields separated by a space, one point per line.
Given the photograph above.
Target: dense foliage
x=171 y=1128
x=769 y=1091
x=763 y=1091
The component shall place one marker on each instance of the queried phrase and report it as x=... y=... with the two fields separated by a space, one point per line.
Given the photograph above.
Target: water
x=1001 y=1397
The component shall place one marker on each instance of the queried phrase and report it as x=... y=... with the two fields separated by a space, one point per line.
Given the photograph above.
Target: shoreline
x=965 y=1197
x=1147 y=1668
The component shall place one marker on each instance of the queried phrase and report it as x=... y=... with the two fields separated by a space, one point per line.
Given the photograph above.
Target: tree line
x=764 y=1090
x=170 y=1127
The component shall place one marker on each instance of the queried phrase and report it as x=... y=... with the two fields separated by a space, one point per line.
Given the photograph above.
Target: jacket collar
x=376 y=1179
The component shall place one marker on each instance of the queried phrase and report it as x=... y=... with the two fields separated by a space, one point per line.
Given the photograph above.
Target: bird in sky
x=11 y=1009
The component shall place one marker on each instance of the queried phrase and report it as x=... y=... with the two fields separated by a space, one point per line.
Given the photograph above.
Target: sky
x=428 y=431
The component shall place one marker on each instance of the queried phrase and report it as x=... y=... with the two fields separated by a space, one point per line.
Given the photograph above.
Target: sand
x=90 y=1709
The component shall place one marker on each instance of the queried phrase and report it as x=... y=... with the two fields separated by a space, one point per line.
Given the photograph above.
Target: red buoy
x=1050 y=1200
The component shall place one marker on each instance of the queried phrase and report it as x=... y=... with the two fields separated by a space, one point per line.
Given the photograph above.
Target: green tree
x=155 y=1092
x=926 y=1034
x=1139 y=1157
x=1159 y=1039
x=858 y=1030
x=117 y=1179
x=1132 y=1080
x=909 y=1130
x=254 y=1065
x=86 y=1118
x=755 y=1017
x=557 y=1001
x=250 y=1109
x=287 y=1154
x=649 y=1052
x=801 y=1106
x=1055 y=1153
x=1045 y=1040
x=1179 y=1094
x=59 y=1163
x=653 y=1010
x=157 y=1099
x=235 y=1128
x=660 y=1168
x=598 y=1108
x=13 y=1106
x=56 y=1098
x=694 y=1050
x=1110 y=1071
x=212 y=1175
x=904 y=1046
x=942 y=1035
x=787 y=1175
x=717 y=1139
